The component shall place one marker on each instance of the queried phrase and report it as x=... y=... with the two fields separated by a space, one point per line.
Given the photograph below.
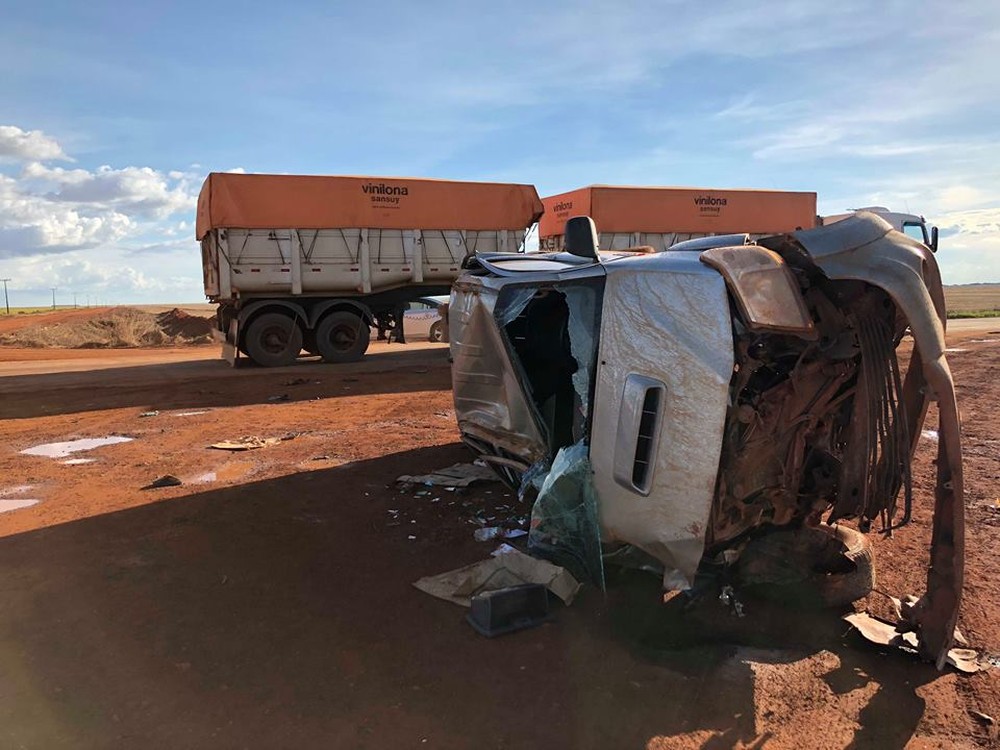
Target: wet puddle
x=8 y=503
x=63 y=450
x=228 y=472
x=16 y=504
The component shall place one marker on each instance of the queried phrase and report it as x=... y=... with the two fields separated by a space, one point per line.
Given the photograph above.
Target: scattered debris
x=247 y=443
x=729 y=599
x=985 y=718
x=64 y=449
x=189 y=413
x=929 y=435
x=150 y=414
x=167 y=480
x=301 y=381
x=487 y=533
x=901 y=636
x=457 y=475
x=279 y=397
x=510 y=568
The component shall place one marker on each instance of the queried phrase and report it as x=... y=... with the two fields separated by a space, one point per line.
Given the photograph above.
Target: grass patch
x=959 y=314
x=32 y=310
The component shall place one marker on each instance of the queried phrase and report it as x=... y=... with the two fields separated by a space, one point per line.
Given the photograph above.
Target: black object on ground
x=167 y=480
x=510 y=609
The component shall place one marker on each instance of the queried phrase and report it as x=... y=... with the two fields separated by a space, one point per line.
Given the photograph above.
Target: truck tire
x=342 y=336
x=437 y=332
x=273 y=340
x=826 y=566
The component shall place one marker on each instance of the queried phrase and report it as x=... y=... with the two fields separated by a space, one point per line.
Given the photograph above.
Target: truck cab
x=911 y=225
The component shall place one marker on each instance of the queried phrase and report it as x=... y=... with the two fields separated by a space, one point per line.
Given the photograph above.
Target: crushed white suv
x=718 y=392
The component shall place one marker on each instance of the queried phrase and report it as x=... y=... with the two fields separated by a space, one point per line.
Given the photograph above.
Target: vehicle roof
x=555 y=267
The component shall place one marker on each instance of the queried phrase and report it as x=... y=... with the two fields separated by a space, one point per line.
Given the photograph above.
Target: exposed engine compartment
x=815 y=423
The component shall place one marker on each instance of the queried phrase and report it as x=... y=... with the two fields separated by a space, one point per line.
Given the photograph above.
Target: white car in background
x=422 y=320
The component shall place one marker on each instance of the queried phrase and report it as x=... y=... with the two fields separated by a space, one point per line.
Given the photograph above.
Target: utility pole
x=74 y=299
x=6 y=302
x=54 y=296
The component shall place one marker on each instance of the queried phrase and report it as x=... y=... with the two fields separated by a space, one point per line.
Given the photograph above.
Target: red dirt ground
x=272 y=606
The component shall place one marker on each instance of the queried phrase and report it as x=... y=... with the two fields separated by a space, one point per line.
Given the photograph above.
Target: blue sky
x=112 y=113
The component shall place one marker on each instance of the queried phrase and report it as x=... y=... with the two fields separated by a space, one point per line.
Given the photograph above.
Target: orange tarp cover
x=263 y=201
x=685 y=210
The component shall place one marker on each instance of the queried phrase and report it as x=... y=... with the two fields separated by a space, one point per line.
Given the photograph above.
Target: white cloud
x=117 y=234
x=114 y=278
x=46 y=209
x=28 y=145
x=136 y=191
x=32 y=223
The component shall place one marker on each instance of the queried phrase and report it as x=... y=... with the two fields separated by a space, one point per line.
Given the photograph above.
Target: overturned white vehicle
x=719 y=391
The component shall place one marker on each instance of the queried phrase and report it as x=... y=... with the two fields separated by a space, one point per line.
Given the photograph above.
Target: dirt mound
x=116 y=328
x=180 y=324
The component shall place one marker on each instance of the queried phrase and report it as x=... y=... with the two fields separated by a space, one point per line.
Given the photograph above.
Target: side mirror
x=581 y=237
x=934 y=239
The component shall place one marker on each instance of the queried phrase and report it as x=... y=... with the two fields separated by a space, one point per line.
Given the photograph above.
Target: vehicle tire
x=853 y=577
x=273 y=340
x=436 y=334
x=342 y=336
x=825 y=566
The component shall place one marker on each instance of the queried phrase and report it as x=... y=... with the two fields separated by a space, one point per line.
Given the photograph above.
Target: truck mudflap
x=866 y=248
x=230 y=341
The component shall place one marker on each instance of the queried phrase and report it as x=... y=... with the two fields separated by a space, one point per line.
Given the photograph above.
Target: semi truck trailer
x=311 y=263
x=660 y=217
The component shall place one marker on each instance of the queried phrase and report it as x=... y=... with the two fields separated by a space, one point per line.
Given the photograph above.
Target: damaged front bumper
x=865 y=248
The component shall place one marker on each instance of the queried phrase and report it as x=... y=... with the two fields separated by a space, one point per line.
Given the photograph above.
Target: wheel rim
x=343 y=337
x=274 y=340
